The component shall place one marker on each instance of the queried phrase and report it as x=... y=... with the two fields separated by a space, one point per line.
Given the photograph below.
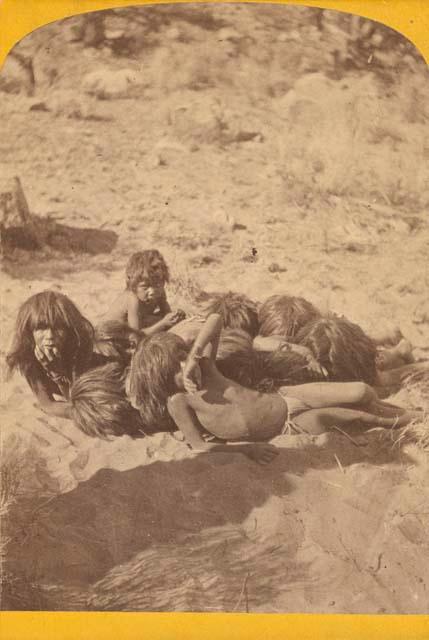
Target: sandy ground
x=332 y=525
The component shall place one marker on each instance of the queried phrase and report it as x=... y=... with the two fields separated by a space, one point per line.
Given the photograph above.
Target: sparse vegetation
x=262 y=149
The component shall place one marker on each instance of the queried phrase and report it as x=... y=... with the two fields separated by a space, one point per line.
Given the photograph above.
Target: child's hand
x=262 y=453
x=314 y=365
x=191 y=375
x=173 y=317
x=180 y=315
x=47 y=357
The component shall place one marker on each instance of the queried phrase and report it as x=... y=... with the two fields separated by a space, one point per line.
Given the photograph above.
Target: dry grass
x=10 y=469
x=417 y=432
x=248 y=127
x=17 y=592
x=10 y=472
x=185 y=288
x=350 y=158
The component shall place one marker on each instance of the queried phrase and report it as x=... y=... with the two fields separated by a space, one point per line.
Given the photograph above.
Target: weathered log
x=17 y=227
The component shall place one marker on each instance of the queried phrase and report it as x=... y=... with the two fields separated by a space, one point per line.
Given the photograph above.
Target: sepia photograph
x=214 y=245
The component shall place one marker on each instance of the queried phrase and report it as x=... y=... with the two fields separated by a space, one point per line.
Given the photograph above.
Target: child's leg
x=395 y=377
x=387 y=410
x=316 y=421
x=393 y=357
x=330 y=394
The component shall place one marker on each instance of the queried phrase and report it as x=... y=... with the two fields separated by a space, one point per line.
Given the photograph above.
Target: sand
x=332 y=525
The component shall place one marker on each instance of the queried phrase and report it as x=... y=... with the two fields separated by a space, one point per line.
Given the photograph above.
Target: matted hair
x=146 y=264
x=281 y=368
x=236 y=358
x=282 y=315
x=114 y=339
x=152 y=377
x=100 y=407
x=236 y=310
x=342 y=348
x=261 y=370
x=50 y=309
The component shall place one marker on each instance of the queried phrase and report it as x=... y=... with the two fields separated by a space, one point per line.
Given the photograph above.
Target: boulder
x=106 y=84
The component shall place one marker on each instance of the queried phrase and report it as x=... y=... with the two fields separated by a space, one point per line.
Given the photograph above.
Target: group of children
x=231 y=378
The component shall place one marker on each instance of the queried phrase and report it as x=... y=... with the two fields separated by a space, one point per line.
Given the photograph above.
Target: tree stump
x=93 y=29
x=17 y=228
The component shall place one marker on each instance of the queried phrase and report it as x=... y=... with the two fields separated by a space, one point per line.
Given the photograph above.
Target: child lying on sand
x=52 y=346
x=143 y=305
x=238 y=312
x=343 y=351
x=166 y=381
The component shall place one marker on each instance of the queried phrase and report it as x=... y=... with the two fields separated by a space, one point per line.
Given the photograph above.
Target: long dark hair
x=261 y=370
x=235 y=357
x=56 y=311
x=342 y=348
x=152 y=377
x=282 y=368
x=285 y=315
x=149 y=263
x=115 y=340
x=100 y=407
x=236 y=310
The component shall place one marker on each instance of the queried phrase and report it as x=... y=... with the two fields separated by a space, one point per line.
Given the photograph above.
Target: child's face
x=129 y=345
x=150 y=289
x=48 y=339
x=133 y=340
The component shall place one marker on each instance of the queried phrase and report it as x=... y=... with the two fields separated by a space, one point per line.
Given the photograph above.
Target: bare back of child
x=231 y=412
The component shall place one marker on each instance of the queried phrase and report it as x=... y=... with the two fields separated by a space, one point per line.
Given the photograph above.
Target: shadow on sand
x=51 y=235
x=121 y=537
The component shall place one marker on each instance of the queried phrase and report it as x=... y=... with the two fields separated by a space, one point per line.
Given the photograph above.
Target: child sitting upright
x=143 y=305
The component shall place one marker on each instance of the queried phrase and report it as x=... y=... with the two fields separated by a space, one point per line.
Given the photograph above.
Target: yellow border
x=209 y=626
x=18 y=18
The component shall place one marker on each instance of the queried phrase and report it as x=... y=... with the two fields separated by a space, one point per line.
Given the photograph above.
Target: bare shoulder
x=129 y=300
x=119 y=306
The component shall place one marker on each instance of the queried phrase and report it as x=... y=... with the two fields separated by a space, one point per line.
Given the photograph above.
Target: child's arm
x=205 y=345
x=268 y=343
x=207 y=341
x=185 y=418
x=168 y=318
x=48 y=404
x=272 y=343
x=133 y=316
x=168 y=321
